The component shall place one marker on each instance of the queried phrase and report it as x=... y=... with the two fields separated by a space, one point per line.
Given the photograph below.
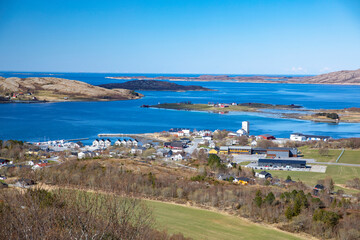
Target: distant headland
x=345 y=77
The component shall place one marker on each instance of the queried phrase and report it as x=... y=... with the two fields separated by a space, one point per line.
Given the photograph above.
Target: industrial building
x=239 y=150
x=265 y=162
x=299 y=137
x=280 y=152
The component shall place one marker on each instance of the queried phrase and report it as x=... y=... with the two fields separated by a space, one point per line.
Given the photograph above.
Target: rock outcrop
x=57 y=89
x=153 y=85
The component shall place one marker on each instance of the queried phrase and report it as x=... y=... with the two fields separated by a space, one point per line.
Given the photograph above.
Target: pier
x=119 y=134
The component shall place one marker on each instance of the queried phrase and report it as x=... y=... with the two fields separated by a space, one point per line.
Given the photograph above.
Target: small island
x=350 y=115
x=153 y=85
x=50 y=89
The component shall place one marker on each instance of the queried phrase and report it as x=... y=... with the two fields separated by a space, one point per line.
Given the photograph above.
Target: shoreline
x=313 y=115
x=234 y=81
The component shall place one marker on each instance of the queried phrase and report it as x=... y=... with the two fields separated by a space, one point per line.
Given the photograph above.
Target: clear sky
x=183 y=36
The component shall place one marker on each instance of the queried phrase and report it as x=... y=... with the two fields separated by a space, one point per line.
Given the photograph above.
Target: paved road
x=193 y=146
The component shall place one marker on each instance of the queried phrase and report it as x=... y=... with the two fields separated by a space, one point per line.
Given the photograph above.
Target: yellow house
x=242 y=180
x=213 y=151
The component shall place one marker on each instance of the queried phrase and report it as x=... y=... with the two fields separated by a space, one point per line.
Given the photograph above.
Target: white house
x=96 y=143
x=117 y=142
x=29 y=163
x=101 y=143
x=186 y=132
x=263 y=174
x=297 y=137
x=135 y=143
x=107 y=143
x=177 y=157
x=136 y=151
x=129 y=143
x=81 y=155
x=207 y=138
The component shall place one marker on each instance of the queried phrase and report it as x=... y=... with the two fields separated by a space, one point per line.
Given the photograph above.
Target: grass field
x=314 y=153
x=340 y=174
x=203 y=224
x=349 y=156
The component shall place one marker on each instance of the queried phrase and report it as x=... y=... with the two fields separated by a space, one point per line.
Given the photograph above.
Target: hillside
x=340 y=77
x=57 y=89
x=153 y=85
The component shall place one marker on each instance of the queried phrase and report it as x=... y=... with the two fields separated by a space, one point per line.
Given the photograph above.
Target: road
x=193 y=146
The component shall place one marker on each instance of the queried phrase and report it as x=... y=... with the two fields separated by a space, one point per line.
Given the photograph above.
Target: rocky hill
x=58 y=89
x=153 y=85
x=340 y=77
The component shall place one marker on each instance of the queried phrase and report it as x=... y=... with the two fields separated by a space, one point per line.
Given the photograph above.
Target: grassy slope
x=203 y=224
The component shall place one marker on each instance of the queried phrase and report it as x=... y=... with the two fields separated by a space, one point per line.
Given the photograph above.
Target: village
x=182 y=148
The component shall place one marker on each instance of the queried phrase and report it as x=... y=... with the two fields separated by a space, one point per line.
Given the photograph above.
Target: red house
x=267 y=137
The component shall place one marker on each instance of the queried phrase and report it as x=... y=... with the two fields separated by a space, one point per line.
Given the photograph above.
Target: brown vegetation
x=39 y=214
x=291 y=208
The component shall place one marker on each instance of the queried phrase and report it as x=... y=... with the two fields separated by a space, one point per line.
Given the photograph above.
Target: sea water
x=68 y=120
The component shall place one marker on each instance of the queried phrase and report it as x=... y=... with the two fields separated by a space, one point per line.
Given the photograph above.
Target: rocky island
x=345 y=77
x=50 y=89
x=153 y=85
x=350 y=115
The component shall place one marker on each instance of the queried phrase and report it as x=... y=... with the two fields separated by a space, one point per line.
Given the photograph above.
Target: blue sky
x=184 y=36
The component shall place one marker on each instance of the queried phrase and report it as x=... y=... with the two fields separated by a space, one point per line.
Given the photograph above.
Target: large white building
x=245 y=129
x=299 y=137
x=246 y=126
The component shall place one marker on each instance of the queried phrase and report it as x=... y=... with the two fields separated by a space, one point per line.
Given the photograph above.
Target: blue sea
x=68 y=120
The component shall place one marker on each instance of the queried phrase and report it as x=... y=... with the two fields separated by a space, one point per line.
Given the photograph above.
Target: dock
x=119 y=134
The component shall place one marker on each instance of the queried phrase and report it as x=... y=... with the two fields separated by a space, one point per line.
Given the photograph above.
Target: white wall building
x=245 y=125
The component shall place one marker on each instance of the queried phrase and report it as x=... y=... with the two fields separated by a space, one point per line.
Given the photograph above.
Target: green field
x=203 y=224
x=314 y=154
x=349 y=156
x=340 y=174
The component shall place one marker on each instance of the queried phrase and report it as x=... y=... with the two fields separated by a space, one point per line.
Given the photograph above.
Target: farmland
x=204 y=224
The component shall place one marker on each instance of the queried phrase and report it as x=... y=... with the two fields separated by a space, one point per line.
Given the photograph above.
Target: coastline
x=236 y=81
x=314 y=115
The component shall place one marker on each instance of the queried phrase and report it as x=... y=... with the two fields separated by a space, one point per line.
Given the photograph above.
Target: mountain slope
x=340 y=77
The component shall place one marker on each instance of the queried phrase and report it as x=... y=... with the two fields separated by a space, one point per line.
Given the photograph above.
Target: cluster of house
x=221 y=105
x=181 y=132
x=243 y=180
x=59 y=145
x=102 y=143
x=37 y=164
x=175 y=150
x=15 y=95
